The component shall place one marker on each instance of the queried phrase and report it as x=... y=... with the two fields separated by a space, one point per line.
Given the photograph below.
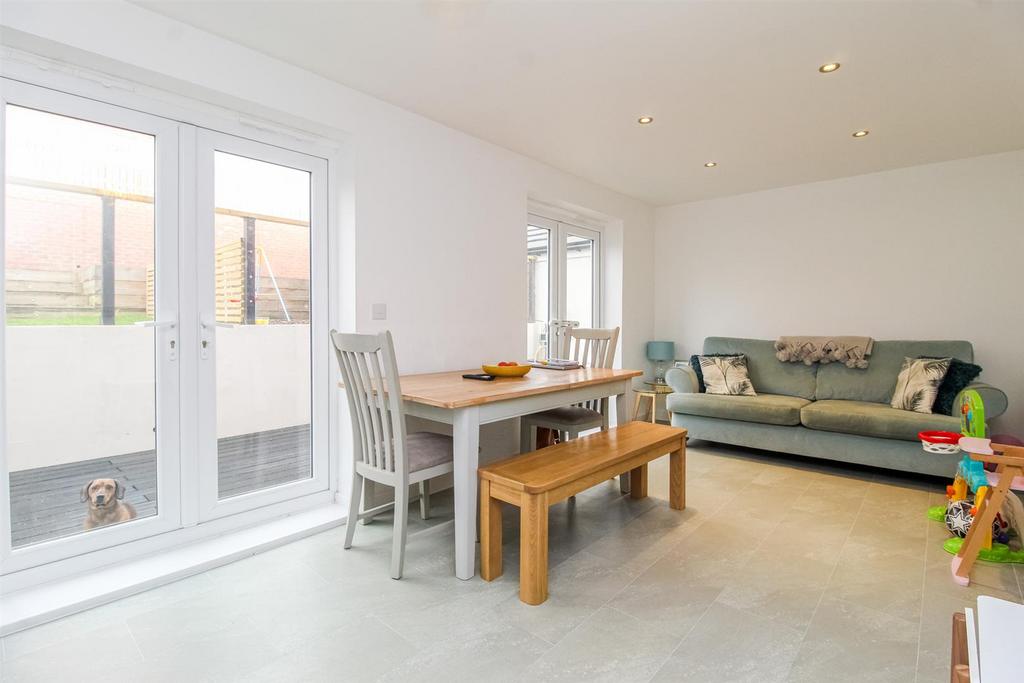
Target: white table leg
x=621 y=418
x=466 y=434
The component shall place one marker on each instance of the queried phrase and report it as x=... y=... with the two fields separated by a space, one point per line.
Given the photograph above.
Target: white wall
x=928 y=252
x=439 y=216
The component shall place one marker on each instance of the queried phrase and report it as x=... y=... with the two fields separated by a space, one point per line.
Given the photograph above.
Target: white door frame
x=167 y=370
x=207 y=143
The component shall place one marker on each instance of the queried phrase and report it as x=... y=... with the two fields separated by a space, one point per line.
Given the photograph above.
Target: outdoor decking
x=46 y=503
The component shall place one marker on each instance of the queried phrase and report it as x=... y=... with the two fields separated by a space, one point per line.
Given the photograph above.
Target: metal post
x=108 y=311
x=249 y=242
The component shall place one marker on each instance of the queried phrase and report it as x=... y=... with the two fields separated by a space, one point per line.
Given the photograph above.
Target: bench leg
x=533 y=549
x=638 y=482
x=490 y=534
x=677 y=478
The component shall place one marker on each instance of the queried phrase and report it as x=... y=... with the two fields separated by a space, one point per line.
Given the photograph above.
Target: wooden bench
x=533 y=481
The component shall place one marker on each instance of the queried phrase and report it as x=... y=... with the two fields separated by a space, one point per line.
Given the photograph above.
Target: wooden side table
x=650 y=390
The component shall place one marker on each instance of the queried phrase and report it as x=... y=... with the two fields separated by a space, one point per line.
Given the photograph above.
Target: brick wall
x=61 y=231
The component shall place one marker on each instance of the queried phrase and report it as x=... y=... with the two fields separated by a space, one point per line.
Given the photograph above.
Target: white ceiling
x=733 y=82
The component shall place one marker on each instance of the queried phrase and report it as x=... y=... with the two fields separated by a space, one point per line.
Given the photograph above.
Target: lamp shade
x=661 y=350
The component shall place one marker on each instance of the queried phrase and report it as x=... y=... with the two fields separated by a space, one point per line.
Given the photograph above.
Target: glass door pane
x=81 y=371
x=262 y=304
x=579 y=279
x=538 y=277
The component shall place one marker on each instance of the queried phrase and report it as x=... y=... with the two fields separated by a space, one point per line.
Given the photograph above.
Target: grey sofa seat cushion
x=426 y=449
x=767 y=373
x=764 y=408
x=876 y=383
x=864 y=418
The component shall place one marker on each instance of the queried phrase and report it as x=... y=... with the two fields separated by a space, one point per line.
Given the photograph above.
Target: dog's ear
x=118 y=489
x=85 y=491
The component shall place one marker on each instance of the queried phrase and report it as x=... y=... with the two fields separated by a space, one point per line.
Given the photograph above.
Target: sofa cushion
x=767 y=373
x=727 y=376
x=959 y=376
x=875 y=384
x=872 y=419
x=918 y=383
x=770 y=409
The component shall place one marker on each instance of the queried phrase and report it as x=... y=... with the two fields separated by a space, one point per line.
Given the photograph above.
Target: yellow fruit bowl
x=506 y=370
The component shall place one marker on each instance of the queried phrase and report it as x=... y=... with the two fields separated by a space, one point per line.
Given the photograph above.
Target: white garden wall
x=83 y=392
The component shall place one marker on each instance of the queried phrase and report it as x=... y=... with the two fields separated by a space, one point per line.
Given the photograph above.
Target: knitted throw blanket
x=851 y=351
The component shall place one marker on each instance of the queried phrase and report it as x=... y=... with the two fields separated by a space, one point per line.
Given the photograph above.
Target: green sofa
x=823 y=411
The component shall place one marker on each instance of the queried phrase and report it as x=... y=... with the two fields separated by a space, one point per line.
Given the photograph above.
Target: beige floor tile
x=494 y=651
x=665 y=597
x=609 y=646
x=889 y=580
x=95 y=654
x=849 y=642
x=729 y=645
x=362 y=649
x=578 y=587
x=778 y=586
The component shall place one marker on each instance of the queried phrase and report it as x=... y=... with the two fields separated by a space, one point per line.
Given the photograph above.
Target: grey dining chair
x=591 y=348
x=384 y=453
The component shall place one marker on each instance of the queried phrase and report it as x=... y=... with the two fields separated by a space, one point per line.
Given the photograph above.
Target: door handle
x=170 y=324
x=208 y=324
x=172 y=343
x=206 y=338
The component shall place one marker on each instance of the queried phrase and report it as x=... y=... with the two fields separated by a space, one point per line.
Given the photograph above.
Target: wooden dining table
x=466 y=404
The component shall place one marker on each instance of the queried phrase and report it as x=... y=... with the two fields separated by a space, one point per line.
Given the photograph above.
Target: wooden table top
x=450 y=390
x=554 y=466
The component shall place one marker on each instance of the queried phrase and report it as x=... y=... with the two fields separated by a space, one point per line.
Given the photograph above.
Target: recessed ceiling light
x=860 y=133
x=644 y=120
x=829 y=68
x=711 y=164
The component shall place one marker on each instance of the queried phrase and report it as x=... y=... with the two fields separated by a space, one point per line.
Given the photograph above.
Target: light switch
x=380 y=311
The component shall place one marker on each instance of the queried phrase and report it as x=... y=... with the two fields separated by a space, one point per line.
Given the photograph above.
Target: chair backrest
x=370 y=374
x=591 y=348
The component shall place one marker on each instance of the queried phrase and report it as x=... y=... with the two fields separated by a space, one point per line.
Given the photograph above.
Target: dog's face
x=102 y=493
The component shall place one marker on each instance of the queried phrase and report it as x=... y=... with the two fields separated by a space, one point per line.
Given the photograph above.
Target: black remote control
x=482 y=377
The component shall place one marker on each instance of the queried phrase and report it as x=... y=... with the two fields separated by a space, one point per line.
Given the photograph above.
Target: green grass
x=75 y=319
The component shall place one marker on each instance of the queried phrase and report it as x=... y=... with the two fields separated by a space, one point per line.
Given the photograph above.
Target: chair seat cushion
x=873 y=419
x=426 y=449
x=567 y=415
x=773 y=409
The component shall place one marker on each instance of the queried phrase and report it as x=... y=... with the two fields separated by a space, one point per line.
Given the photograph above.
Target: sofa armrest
x=994 y=399
x=682 y=380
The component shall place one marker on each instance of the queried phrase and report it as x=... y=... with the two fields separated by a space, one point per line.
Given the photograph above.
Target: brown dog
x=106 y=503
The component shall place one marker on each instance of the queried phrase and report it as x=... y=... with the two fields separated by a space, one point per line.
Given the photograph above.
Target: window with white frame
x=563 y=263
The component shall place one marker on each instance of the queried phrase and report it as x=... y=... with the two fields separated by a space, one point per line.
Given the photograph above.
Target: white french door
x=90 y=342
x=164 y=347
x=262 y=311
x=564 y=280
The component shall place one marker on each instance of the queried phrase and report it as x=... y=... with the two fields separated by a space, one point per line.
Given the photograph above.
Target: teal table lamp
x=659 y=352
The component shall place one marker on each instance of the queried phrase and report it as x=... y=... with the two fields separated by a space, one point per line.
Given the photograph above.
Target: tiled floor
x=778 y=570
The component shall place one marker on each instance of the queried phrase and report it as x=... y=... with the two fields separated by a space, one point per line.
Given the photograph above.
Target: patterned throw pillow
x=958 y=377
x=726 y=375
x=918 y=383
x=695 y=364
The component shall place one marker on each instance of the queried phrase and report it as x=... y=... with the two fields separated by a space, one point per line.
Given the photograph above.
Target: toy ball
x=959 y=518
